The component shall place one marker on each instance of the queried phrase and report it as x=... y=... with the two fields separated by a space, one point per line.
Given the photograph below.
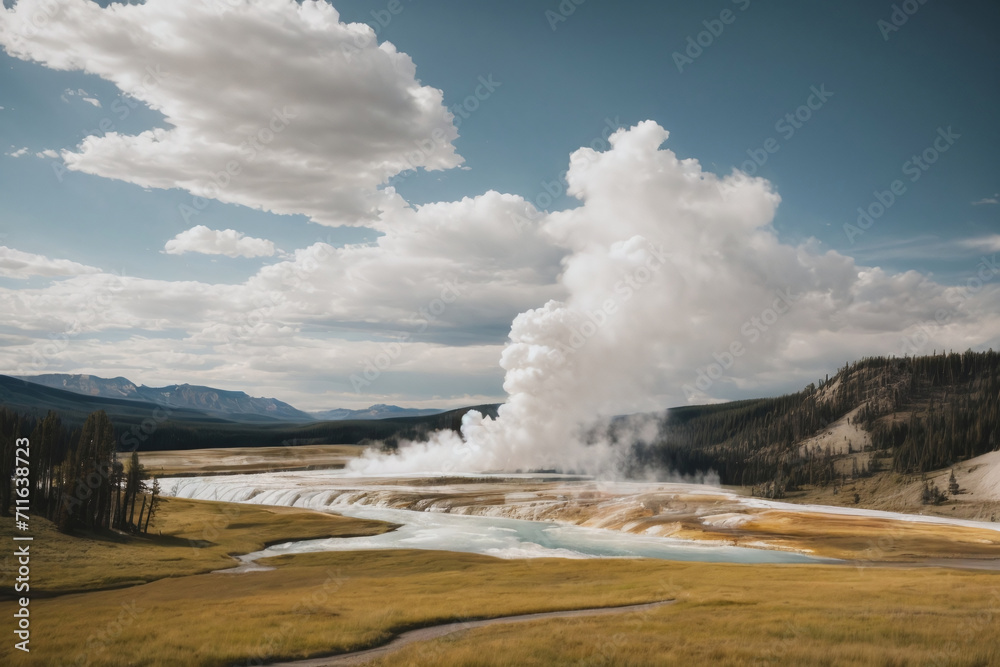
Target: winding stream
x=438 y=631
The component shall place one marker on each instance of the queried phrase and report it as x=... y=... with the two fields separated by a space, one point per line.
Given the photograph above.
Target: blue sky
x=558 y=84
x=942 y=68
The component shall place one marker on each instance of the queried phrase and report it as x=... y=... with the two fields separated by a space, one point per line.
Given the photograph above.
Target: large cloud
x=271 y=104
x=469 y=249
x=434 y=295
x=23 y=265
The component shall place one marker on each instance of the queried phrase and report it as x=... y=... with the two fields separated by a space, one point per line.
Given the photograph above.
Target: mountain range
x=377 y=411
x=146 y=425
x=220 y=403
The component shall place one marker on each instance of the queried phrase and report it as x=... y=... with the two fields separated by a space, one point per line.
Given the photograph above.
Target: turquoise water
x=439 y=531
x=515 y=538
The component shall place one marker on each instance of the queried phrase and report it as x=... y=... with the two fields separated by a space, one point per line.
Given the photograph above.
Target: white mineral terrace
x=521 y=516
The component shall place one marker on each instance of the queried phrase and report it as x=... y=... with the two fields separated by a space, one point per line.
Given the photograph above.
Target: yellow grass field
x=330 y=602
x=187 y=537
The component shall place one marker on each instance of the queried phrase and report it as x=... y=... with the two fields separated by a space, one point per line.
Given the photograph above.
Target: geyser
x=666 y=267
x=637 y=264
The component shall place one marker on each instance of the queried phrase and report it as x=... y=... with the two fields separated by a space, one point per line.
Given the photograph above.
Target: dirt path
x=436 y=631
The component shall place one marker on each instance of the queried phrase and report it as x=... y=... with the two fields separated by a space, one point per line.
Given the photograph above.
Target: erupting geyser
x=642 y=256
x=676 y=290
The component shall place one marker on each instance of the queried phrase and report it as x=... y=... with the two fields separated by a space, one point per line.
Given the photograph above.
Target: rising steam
x=634 y=275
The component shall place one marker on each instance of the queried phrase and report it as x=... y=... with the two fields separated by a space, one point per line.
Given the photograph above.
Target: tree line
x=946 y=409
x=923 y=413
x=76 y=476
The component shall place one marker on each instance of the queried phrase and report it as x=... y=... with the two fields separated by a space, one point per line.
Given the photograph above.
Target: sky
x=349 y=203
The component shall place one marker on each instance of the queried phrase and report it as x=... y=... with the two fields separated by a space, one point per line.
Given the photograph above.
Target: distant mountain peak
x=376 y=411
x=216 y=402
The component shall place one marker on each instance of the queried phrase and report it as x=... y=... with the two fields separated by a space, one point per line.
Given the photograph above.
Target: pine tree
x=154 y=504
x=87 y=484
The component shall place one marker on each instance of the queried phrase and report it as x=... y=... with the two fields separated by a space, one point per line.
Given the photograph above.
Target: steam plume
x=637 y=256
x=678 y=289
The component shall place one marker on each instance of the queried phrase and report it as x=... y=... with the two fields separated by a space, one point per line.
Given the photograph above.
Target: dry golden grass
x=187 y=537
x=330 y=602
x=727 y=614
x=315 y=603
x=247 y=459
x=733 y=615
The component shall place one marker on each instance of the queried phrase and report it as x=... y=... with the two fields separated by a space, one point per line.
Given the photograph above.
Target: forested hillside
x=920 y=413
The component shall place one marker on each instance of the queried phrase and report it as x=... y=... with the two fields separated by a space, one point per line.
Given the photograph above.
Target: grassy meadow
x=187 y=537
x=314 y=604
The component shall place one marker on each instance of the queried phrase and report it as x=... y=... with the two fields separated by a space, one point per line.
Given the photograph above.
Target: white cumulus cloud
x=23 y=265
x=228 y=242
x=297 y=113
